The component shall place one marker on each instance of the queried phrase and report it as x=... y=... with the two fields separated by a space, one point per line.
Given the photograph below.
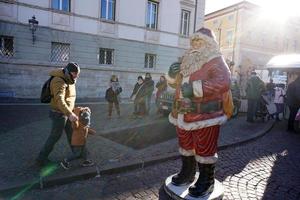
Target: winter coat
x=63 y=91
x=111 y=94
x=80 y=131
x=161 y=87
x=293 y=93
x=255 y=87
x=149 y=86
x=139 y=92
x=211 y=84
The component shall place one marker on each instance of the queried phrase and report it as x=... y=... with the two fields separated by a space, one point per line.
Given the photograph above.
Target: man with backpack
x=63 y=96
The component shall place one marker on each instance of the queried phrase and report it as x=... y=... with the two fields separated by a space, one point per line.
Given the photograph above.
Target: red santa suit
x=207 y=72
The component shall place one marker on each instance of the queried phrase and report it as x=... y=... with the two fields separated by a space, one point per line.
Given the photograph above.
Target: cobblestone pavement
x=267 y=168
x=20 y=145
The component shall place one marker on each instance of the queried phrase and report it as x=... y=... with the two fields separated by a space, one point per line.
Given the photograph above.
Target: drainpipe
x=196 y=5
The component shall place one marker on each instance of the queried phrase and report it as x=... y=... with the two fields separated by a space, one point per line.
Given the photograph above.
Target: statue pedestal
x=182 y=192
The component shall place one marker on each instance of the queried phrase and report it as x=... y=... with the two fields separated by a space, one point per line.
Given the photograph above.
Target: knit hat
x=114 y=78
x=85 y=117
x=204 y=34
x=72 y=67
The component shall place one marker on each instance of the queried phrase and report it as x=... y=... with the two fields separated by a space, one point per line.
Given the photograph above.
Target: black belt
x=196 y=107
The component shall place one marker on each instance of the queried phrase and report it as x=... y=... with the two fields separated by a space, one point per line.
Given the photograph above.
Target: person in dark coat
x=138 y=98
x=254 y=89
x=161 y=86
x=149 y=88
x=270 y=88
x=293 y=101
x=112 y=95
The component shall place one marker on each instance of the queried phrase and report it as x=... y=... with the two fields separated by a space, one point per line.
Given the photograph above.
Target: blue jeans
x=60 y=123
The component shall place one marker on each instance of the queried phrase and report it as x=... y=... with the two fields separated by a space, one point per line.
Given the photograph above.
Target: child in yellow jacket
x=81 y=129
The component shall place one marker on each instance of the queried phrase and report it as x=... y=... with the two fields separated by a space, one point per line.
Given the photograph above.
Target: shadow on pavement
x=142 y=137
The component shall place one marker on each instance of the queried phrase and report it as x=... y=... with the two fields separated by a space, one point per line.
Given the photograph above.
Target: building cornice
x=103 y=36
x=84 y=16
x=84 y=66
x=231 y=9
x=188 y=3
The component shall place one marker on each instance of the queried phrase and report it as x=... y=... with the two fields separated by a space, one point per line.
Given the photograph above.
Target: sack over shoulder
x=132 y=98
x=228 y=104
x=46 y=93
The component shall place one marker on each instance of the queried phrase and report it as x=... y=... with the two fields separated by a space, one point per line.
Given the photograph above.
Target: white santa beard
x=194 y=59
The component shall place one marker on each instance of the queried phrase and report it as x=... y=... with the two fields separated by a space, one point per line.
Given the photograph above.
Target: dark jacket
x=111 y=94
x=149 y=86
x=139 y=92
x=161 y=86
x=255 y=87
x=293 y=93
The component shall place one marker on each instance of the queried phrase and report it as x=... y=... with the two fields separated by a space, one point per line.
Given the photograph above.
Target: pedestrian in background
x=112 y=95
x=270 y=89
x=62 y=103
x=279 y=100
x=293 y=101
x=81 y=129
x=149 y=88
x=255 y=87
x=161 y=86
x=138 y=98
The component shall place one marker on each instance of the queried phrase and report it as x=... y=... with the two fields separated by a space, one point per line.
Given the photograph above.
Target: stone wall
x=25 y=72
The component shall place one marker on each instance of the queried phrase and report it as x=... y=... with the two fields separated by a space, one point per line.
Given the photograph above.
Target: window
x=61 y=5
x=151 y=21
x=185 y=22
x=108 y=9
x=60 y=52
x=106 y=56
x=150 y=61
x=6 y=46
x=229 y=38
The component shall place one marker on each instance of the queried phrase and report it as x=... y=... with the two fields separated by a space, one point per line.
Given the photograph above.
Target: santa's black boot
x=205 y=182
x=187 y=172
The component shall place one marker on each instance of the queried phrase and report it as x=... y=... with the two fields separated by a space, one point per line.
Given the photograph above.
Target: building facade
x=123 y=37
x=248 y=39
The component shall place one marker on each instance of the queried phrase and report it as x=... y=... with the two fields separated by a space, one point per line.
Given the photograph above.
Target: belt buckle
x=185 y=107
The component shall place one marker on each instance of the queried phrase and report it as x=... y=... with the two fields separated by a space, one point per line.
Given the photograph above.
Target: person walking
x=112 y=95
x=161 y=86
x=138 y=98
x=293 y=101
x=62 y=103
x=270 y=89
x=149 y=88
x=254 y=89
x=279 y=100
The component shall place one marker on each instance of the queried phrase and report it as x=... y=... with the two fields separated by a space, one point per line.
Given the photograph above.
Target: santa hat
x=204 y=34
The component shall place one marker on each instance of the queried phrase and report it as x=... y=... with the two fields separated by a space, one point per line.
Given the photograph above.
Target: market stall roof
x=284 y=62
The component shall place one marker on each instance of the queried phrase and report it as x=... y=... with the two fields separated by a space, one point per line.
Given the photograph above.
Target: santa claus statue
x=202 y=103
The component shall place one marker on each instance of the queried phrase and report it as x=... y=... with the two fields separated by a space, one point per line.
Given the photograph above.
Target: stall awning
x=285 y=62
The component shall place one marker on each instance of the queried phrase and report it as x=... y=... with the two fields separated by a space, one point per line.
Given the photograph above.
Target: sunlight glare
x=280 y=11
